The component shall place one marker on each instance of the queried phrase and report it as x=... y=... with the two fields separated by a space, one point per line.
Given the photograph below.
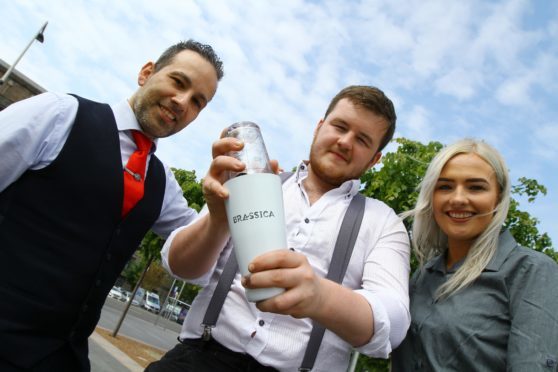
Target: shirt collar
x=506 y=243
x=438 y=263
x=350 y=187
x=126 y=119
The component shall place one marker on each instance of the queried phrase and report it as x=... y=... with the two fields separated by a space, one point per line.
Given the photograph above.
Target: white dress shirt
x=33 y=132
x=378 y=270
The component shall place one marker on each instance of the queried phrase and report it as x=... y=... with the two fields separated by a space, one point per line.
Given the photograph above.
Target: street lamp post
x=40 y=37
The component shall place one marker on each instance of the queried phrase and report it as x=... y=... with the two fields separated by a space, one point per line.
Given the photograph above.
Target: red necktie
x=134 y=172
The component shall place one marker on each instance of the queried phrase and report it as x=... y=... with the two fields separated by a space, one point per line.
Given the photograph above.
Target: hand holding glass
x=255 y=205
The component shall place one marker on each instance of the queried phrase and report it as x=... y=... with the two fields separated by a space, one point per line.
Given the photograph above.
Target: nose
x=459 y=196
x=182 y=101
x=345 y=141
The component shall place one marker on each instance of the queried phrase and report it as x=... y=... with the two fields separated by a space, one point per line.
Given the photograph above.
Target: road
x=140 y=324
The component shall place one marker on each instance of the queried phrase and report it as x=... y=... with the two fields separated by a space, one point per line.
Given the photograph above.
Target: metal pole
x=353 y=361
x=39 y=36
x=115 y=332
x=164 y=305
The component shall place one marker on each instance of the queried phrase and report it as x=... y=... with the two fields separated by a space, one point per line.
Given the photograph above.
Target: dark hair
x=372 y=99
x=204 y=50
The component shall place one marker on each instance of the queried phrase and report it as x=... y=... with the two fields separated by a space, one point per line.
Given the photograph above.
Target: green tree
x=191 y=187
x=150 y=247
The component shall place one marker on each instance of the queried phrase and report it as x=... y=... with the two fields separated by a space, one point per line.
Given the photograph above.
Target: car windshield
x=153 y=299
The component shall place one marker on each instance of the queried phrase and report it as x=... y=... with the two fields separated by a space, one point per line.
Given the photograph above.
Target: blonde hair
x=427 y=237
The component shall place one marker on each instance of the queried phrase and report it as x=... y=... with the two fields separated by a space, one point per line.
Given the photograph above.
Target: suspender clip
x=206 y=332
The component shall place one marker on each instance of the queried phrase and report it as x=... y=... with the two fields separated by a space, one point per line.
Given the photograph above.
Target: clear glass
x=254 y=153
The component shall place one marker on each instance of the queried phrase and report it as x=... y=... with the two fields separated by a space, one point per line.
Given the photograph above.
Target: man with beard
x=368 y=312
x=79 y=188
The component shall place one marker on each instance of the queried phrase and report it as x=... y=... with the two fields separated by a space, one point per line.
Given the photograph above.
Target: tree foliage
x=151 y=244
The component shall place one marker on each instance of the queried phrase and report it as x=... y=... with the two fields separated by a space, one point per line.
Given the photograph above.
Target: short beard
x=323 y=174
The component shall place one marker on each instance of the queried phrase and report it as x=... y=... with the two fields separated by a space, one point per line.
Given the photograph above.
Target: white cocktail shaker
x=255 y=205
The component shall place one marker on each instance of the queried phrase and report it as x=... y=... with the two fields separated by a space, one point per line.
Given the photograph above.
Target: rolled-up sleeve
x=386 y=288
x=201 y=281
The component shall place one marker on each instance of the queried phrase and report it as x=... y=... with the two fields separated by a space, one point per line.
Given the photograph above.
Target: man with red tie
x=79 y=188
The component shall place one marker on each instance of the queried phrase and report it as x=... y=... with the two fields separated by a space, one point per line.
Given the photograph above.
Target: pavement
x=138 y=325
x=105 y=357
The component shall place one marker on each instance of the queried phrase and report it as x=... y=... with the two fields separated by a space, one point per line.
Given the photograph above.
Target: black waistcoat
x=63 y=241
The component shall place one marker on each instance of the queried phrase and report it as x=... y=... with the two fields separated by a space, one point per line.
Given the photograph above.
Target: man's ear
x=145 y=73
x=320 y=123
x=375 y=159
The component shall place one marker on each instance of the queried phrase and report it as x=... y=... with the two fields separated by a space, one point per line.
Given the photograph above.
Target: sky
x=482 y=69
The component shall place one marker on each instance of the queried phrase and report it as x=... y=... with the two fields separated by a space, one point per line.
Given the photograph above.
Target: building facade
x=17 y=87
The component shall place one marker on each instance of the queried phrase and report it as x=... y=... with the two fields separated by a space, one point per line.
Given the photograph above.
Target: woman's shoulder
x=523 y=263
x=528 y=256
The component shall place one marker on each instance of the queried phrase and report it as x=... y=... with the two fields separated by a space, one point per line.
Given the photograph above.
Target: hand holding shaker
x=255 y=205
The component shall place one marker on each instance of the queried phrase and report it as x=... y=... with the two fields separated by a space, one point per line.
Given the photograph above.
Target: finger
x=275 y=166
x=211 y=188
x=281 y=258
x=224 y=132
x=290 y=302
x=282 y=278
x=224 y=145
x=221 y=164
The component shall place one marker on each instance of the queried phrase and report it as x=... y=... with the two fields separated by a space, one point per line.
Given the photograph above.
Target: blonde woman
x=479 y=301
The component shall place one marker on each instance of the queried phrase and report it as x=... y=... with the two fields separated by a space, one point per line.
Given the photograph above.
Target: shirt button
x=550 y=362
x=108 y=256
x=306 y=220
x=418 y=364
x=98 y=283
x=84 y=308
x=261 y=323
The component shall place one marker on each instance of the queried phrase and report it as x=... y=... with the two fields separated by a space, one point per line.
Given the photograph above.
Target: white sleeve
x=174 y=211
x=201 y=281
x=386 y=288
x=32 y=133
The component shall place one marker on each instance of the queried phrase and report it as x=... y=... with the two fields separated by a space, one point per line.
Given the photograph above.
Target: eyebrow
x=187 y=79
x=442 y=179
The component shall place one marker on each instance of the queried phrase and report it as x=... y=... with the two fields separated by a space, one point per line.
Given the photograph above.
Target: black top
x=63 y=241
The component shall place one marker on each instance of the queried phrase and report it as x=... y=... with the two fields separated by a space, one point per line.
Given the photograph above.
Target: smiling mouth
x=167 y=113
x=460 y=215
x=339 y=156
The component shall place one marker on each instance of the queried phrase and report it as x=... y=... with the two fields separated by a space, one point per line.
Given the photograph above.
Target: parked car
x=138 y=298
x=171 y=312
x=182 y=314
x=151 y=302
x=136 y=301
x=126 y=295
x=115 y=293
x=174 y=309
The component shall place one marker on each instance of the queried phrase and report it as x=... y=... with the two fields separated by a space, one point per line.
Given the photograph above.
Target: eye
x=177 y=82
x=443 y=186
x=477 y=187
x=339 y=127
x=363 y=141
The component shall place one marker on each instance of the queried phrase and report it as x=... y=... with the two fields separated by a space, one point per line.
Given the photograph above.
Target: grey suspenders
x=338 y=266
